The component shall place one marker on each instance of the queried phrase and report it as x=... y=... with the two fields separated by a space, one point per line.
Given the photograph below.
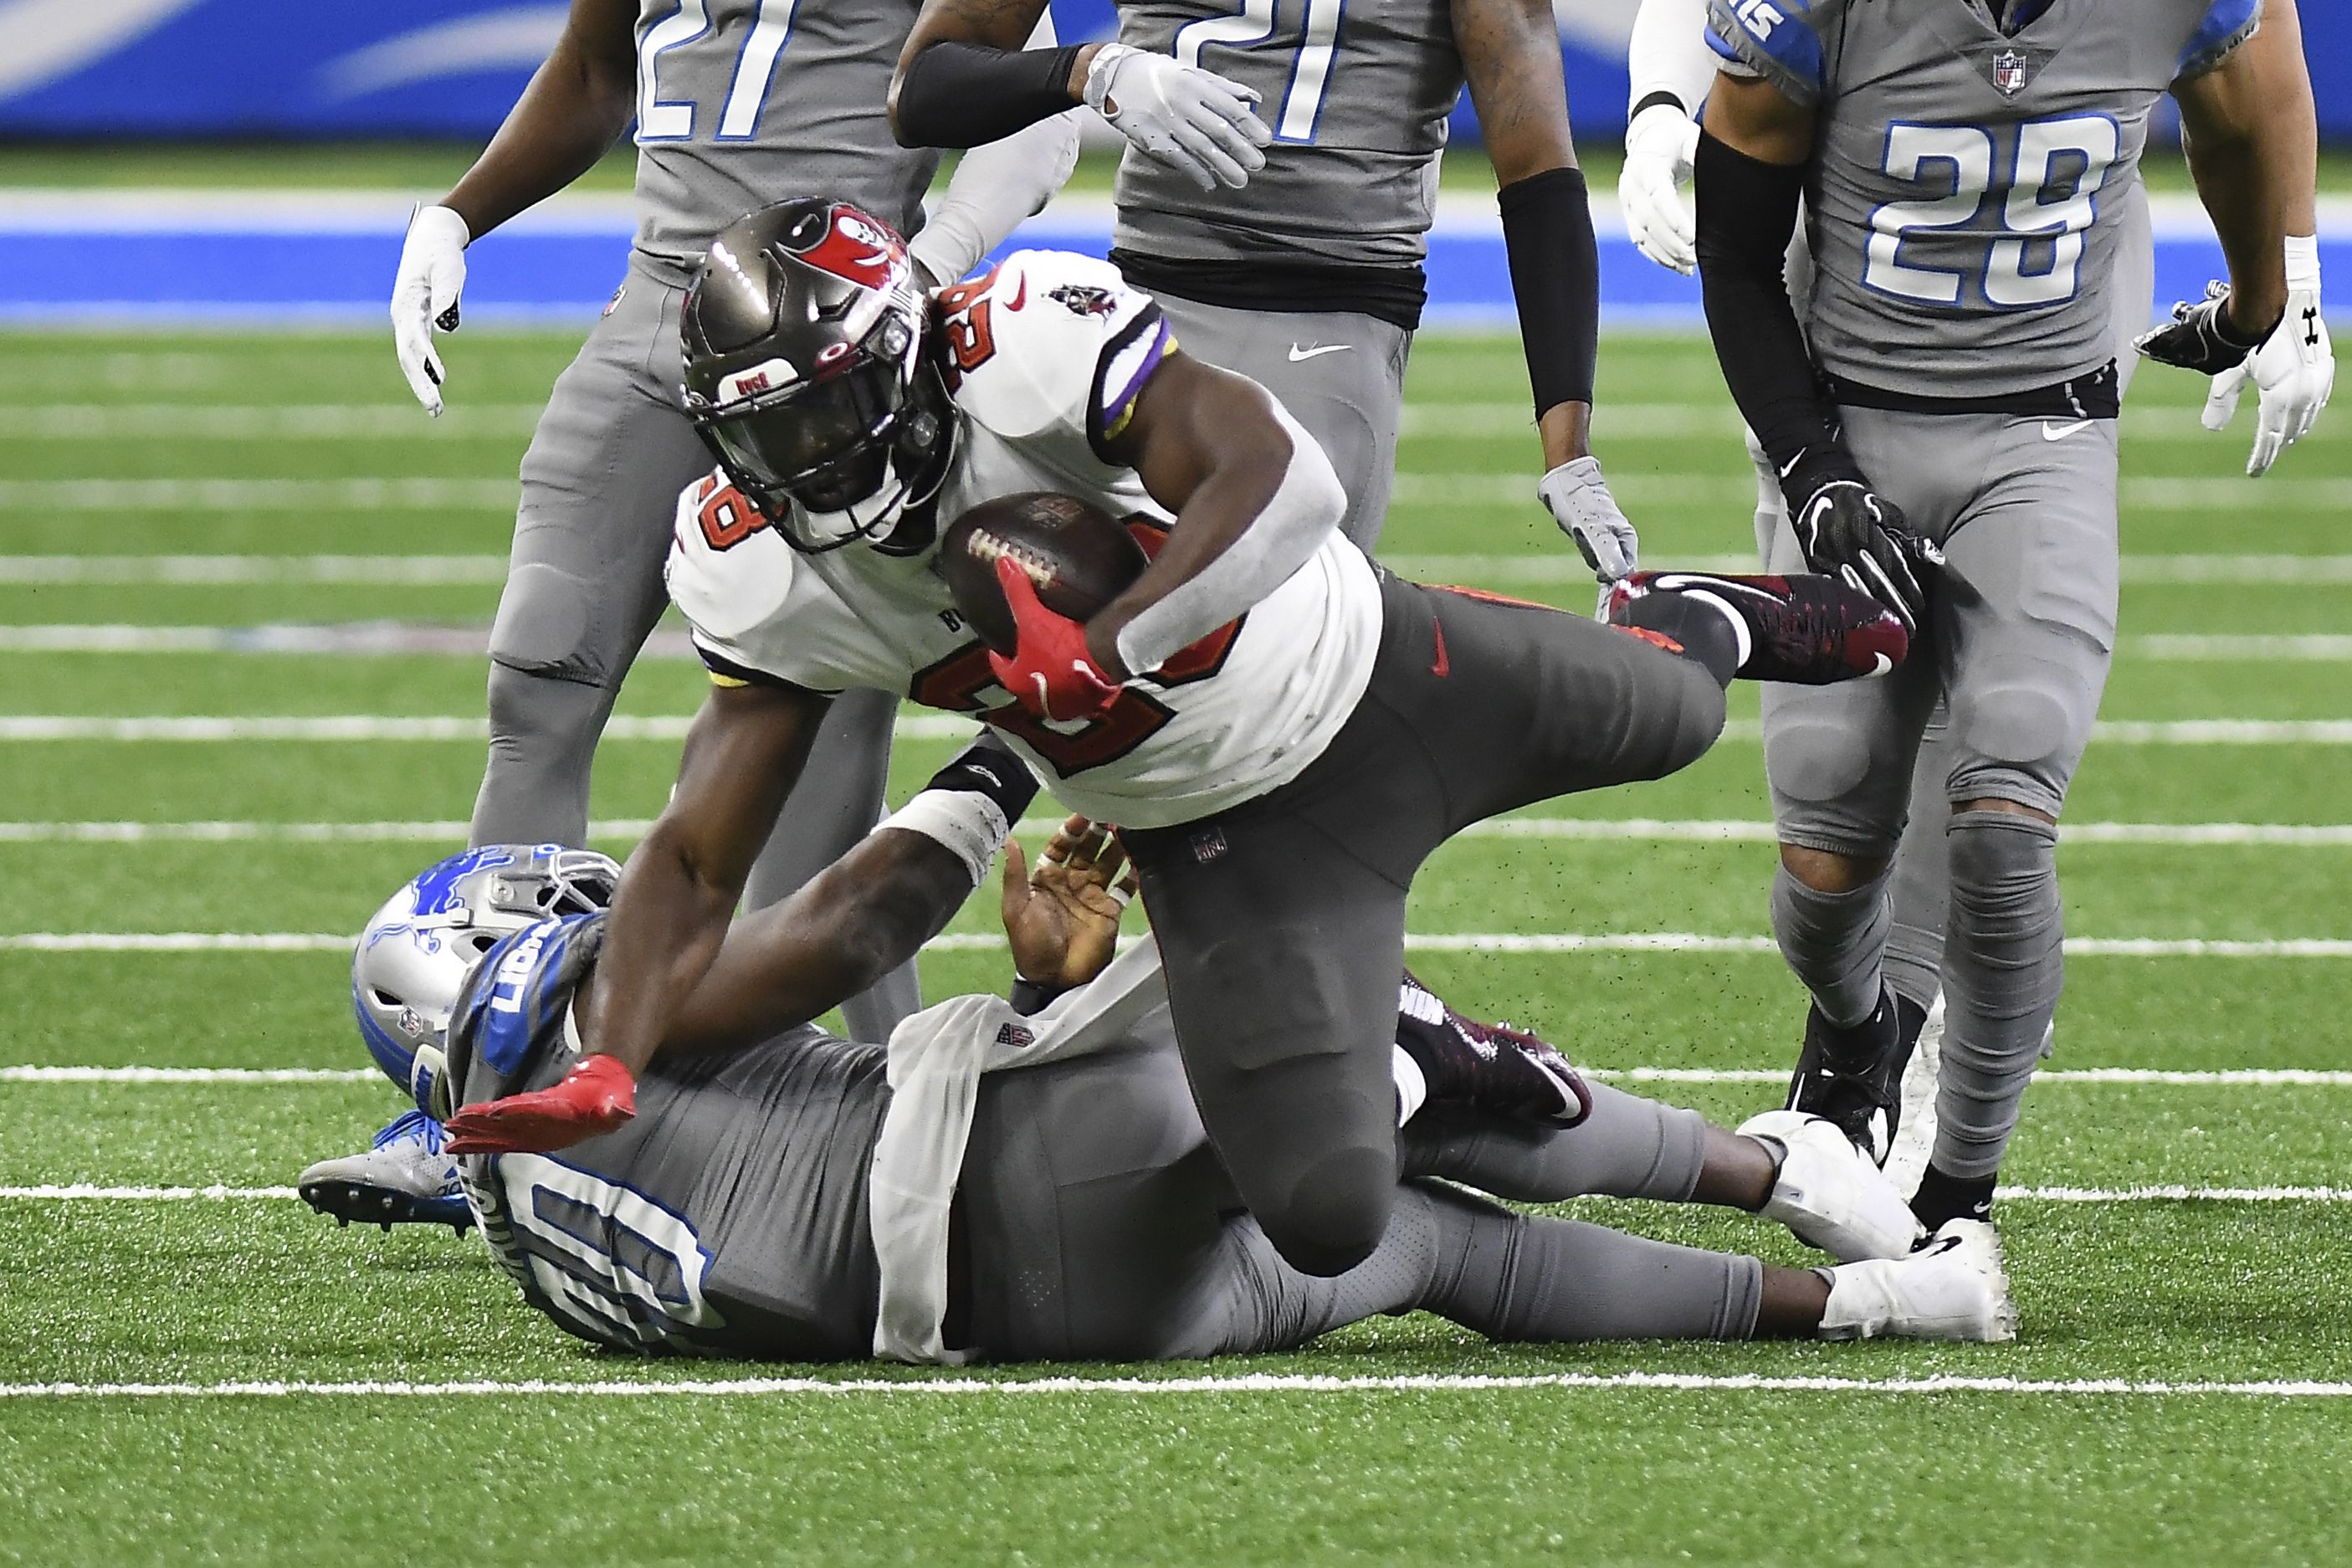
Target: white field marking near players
x=1504 y=943
x=189 y=1074
x=1472 y=489
x=265 y=421
x=1238 y=1383
x=954 y=727
x=1651 y=421
x=2189 y=835
x=2284 y=571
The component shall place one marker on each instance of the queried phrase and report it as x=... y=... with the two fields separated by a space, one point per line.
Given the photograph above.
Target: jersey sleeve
x=1049 y=342
x=2221 y=26
x=1780 y=40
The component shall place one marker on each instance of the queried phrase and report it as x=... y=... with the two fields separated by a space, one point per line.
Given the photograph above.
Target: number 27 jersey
x=1051 y=352
x=1967 y=186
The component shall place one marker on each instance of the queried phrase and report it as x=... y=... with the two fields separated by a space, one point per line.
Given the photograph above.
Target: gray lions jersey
x=742 y=103
x=1357 y=109
x=1965 y=192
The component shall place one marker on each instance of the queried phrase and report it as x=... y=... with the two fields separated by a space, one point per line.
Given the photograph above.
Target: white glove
x=1580 y=503
x=424 y=297
x=1659 y=147
x=1188 y=119
x=2293 y=370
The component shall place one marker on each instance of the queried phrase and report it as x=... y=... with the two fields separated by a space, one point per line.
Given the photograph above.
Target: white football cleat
x=1915 y=1129
x=1828 y=1193
x=1953 y=1287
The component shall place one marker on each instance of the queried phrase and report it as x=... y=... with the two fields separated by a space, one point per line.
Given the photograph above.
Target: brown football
x=1078 y=555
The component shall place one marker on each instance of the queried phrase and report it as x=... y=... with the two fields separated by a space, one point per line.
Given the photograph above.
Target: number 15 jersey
x=1968 y=185
x=1050 y=354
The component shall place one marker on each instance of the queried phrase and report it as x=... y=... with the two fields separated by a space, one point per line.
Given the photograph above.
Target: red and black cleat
x=1489 y=1067
x=1807 y=630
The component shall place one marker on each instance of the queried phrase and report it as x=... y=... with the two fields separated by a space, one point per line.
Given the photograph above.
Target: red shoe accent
x=1659 y=639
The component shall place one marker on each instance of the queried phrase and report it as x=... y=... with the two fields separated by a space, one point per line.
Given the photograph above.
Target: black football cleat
x=1807 y=630
x=1491 y=1069
x=1854 y=1076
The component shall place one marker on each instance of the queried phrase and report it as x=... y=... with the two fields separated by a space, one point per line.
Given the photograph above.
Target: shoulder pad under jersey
x=727 y=571
x=1032 y=342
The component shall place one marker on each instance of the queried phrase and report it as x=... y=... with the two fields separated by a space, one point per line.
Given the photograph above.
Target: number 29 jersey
x=1050 y=353
x=1967 y=186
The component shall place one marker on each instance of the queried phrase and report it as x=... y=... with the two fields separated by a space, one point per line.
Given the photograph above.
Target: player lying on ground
x=1283 y=733
x=806 y=1198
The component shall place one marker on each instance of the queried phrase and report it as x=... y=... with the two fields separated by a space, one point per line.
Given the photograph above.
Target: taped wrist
x=1556 y=279
x=1283 y=537
x=969 y=805
x=956 y=94
x=1746 y=211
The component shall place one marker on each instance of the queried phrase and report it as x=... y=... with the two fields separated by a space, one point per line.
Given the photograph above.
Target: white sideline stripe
x=188 y=1075
x=1566 y=567
x=266 y=421
x=1457 y=941
x=379 y=727
x=1652 y=421
x=1640 y=829
x=371 y=494
x=1241 y=1383
x=1474 y=489
x=432 y=570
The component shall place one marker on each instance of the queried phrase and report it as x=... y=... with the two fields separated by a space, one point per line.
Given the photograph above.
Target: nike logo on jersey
x=2051 y=432
x=1297 y=353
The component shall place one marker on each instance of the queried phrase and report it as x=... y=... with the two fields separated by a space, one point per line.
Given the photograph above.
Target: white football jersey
x=1050 y=352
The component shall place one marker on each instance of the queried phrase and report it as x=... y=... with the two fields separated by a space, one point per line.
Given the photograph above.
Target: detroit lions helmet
x=414 y=954
x=809 y=376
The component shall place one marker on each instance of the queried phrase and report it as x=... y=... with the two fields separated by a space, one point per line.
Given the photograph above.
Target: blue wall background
x=332 y=68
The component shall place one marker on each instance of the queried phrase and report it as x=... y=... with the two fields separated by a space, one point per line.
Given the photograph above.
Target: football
x=1079 y=556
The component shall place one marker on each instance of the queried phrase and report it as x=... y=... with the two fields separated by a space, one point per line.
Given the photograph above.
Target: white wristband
x=970 y=826
x=2303 y=261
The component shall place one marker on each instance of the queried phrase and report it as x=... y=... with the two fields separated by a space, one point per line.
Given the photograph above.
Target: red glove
x=1050 y=673
x=595 y=1097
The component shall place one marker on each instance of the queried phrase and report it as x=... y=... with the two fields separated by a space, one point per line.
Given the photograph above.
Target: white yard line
x=2231 y=495
x=1238 y=1383
x=189 y=1074
x=81 y=1192
x=1628 y=829
x=1650 y=421
x=389 y=494
x=266 y=421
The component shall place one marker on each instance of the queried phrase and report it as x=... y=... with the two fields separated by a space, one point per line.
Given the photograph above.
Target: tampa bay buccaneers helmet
x=414 y=954
x=807 y=374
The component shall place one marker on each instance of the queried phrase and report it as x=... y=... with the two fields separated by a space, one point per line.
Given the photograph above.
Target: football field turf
x=244 y=586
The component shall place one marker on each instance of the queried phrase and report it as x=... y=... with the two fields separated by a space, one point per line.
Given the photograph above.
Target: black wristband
x=1031 y=997
x=988 y=767
x=1803 y=477
x=1746 y=211
x=1655 y=99
x=1556 y=279
x=956 y=94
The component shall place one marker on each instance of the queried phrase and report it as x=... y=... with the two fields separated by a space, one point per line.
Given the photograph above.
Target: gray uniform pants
x=600 y=486
x=1341 y=376
x=1102 y=1228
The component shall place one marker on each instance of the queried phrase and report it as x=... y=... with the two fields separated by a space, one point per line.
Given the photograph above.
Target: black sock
x=1943 y=1197
x=1697 y=630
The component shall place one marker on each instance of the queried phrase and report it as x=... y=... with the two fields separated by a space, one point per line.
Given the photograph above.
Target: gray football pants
x=2019 y=636
x=1341 y=376
x=1103 y=1228
x=600 y=486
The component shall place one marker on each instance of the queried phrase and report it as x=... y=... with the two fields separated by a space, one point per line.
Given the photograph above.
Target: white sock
x=1411 y=1087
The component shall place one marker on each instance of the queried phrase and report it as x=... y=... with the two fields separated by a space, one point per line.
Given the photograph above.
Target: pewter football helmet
x=415 y=953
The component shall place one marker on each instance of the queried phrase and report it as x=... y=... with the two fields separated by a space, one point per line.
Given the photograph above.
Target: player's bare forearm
x=857 y=920
x=1208 y=447
x=679 y=891
x=1755 y=118
x=1510 y=60
x=2251 y=135
x=576 y=106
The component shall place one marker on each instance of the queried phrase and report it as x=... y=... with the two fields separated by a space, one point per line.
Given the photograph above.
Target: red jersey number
x=964 y=317
x=727 y=519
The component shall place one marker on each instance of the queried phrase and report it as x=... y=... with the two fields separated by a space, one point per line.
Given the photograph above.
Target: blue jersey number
x=1310 y=69
x=2047 y=201
x=660 y=120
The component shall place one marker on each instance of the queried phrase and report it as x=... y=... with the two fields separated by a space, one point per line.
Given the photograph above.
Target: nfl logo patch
x=2009 y=72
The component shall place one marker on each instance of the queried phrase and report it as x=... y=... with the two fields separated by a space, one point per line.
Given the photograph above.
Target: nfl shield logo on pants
x=2009 y=72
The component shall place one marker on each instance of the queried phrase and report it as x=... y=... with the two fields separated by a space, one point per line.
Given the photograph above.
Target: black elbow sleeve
x=956 y=94
x=1556 y=281
x=1746 y=211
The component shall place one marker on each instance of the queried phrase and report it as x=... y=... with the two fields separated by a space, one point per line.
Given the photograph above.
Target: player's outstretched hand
x=1191 y=120
x=2293 y=368
x=1660 y=145
x=1850 y=532
x=1050 y=671
x=1062 y=920
x=595 y=1097
x=424 y=292
x=1580 y=503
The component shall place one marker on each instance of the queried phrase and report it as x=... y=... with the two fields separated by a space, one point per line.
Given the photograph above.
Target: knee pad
x=1335 y=1213
x=1814 y=760
x=544 y=624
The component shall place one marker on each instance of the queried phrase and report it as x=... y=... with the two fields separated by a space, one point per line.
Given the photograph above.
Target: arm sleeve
x=1556 y=281
x=1669 y=56
x=1747 y=210
x=957 y=94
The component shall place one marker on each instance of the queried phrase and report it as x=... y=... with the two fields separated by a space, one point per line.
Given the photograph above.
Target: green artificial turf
x=130 y=1290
